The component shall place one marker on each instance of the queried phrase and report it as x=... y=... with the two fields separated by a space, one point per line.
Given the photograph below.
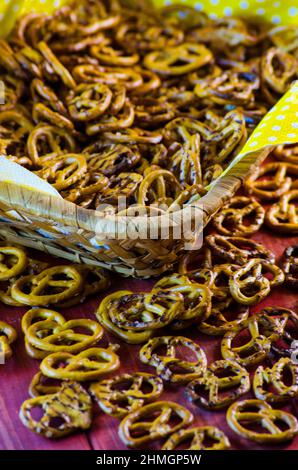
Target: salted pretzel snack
x=246 y=412
x=266 y=376
x=90 y=364
x=235 y=383
x=282 y=216
x=126 y=393
x=13 y=261
x=286 y=153
x=152 y=422
x=61 y=281
x=230 y=220
x=167 y=364
x=7 y=336
x=41 y=385
x=196 y=437
x=289 y=266
x=71 y=406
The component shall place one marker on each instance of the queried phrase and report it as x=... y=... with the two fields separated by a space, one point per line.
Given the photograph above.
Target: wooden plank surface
x=16 y=375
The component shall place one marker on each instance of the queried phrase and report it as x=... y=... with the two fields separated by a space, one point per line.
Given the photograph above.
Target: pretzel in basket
x=166 y=364
x=126 y=393
x=84 y=192
x=152 y=422
x=234 y=384
x=64 y=171
x=196 y=299
x=237 y=250
x=278 y=70
x=289 y=266
x=88 y=365
x=104 y=318
x=112 y=159
x=13 y=261
x=262 y=331
x=245 y=412
x=7 y=336
x=51 y=286
x=55 y=65
x=159 y=186
x=88 y=102
x=41 y=385
x=270 y=181
x=199 y=439
x=265 y=377
x=124 y=185
x=283 y=216
x=230 y=220
x=249 y=285
x=71 y=406
x=112 y=57
x=166 y=62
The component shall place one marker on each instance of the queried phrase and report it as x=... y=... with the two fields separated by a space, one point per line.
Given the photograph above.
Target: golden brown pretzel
x=153 y=422
x=62 y=281
x=286 y=153
x=41 y=385
x=167 y=363
x=197 y=438
x=90 y=364
x=234 y=384
x=13 y=261
x=265 y=376
x=224 y=316
x=7 y=336
x=278 y=70
x=282 y=216
x=64 y=171
x=230 y=220
x=260 y=412
x=289 y=265
x=71 y=405
x=126 y=393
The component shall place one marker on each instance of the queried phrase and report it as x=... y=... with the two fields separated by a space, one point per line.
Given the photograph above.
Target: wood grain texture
x=16 y=375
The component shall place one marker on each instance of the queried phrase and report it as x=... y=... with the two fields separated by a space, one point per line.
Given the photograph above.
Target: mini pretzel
x=88 y=102
x=41 y=385
x=286 y=153
x=264 y=377
x=56 y=66
x=133 y=136
x=110 y=122
x=283 y=216
x=55 y=140
x=238 y=250
x=263 y=331
x=13 y=261
x=167 y=364
x=113 y=159
x=83 y=193
x=196 y=437
x=109 y=56
x=90 y=364
x=151 y=311
x=230 y=220
x=159 y=186
x=248 y=284
x=123 y=185
x=290 y=266
x=285 y=345
x=236 y=381
x=164 y=62
x=111 y=76
x=64 y=171
x=203 y=274
x=42 y=112
x=223 y=318
x=7 y=336
x=152 y=422
x=126 y=393
x=277 y=182
x=278 y=70
x=197 y=299
x=259 y=412
x=104 y=318
x=71 y=405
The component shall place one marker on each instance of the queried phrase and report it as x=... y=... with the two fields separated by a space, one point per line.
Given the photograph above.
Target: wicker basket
x=63 y=229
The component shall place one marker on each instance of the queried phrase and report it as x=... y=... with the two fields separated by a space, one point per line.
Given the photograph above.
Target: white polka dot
x=214 y=2
x=293 y=11
x=260 y=11
x=6 y=1
x=292 y=136
x=257 y=134
x=16 y=8
x=262 y=125
x=228 y=11
x=295 y=125
x=275 y=19
x=253 y=144
x=272 y=139
x=213 y=16
x=43 y=1
x=276 y=128
x=244 y=5
x=260 y=1
x=198 y=6
x=276 y=4
x=284 y=108
x=280 y=117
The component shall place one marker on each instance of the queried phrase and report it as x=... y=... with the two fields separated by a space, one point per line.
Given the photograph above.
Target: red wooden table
x=16 y=374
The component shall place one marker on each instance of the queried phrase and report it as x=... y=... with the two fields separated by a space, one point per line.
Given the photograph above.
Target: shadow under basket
x=63 y=229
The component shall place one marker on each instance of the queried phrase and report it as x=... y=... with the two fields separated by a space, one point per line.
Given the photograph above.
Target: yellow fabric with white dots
x=280 y=125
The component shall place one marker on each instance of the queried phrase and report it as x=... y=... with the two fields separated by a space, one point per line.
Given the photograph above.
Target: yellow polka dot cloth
x=280 y=125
